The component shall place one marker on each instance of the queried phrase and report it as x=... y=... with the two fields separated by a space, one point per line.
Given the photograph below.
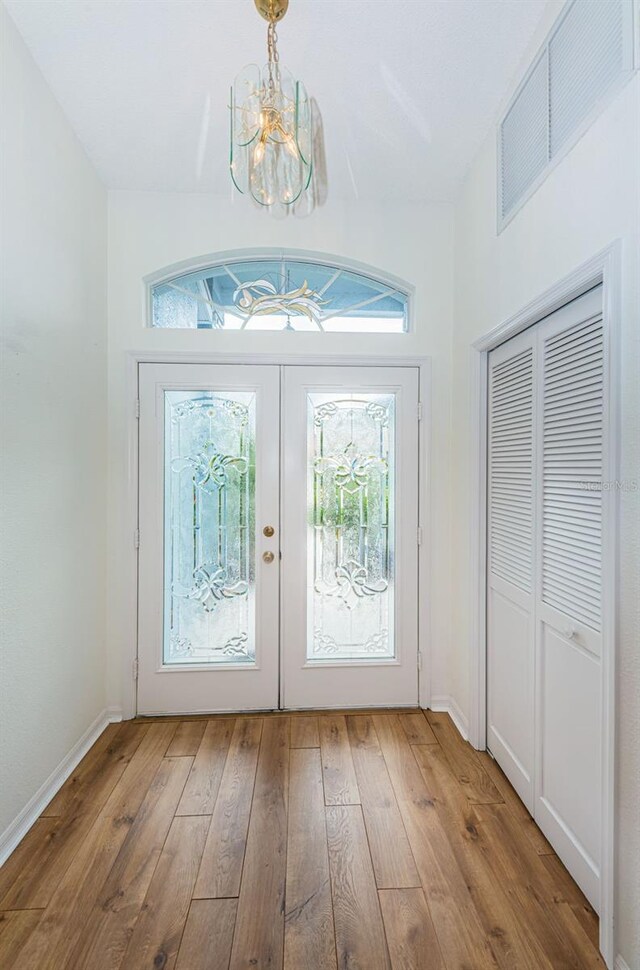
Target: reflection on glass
x=350 y=532
x=209 y=469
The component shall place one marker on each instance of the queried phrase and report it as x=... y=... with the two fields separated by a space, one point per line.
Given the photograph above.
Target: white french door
x=209 y=472
x=547 y=412
x=350 y=528
x=261 y=588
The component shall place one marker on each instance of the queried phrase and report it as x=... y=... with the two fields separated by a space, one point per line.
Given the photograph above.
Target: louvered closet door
x=569 y=585
x=510 y=599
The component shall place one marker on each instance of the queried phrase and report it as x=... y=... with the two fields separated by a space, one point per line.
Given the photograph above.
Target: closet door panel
x=568 y=808
x=510 y=600
x=571 y=403
x=572 y=471
x=511 y=733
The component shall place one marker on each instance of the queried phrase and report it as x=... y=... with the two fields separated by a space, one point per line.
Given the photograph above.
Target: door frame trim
x=604 y=268
x=129 y=482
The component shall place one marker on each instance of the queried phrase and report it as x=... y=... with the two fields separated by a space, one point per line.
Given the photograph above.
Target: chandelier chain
x=272 y=52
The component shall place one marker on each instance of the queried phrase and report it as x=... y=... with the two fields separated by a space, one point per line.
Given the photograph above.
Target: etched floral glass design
x=279 y=294
x=209 y=480
x=350 y=540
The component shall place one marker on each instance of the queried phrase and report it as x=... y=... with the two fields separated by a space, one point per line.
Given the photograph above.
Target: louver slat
x=572 y=471
x=511 y=469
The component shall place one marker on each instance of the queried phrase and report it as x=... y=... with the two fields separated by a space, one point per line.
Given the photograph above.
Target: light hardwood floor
x=337 y=841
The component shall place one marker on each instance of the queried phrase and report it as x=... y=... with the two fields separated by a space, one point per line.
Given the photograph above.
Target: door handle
x=268 y=556
x=268 y=531
x=569 y=631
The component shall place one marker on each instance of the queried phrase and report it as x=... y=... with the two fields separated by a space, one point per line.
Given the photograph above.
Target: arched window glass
x=279 y=294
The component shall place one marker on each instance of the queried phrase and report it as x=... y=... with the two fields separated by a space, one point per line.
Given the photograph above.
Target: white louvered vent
x=524 y=137
x=510 y=469
x=572 y=472
x=588 y=50
x=585 y=57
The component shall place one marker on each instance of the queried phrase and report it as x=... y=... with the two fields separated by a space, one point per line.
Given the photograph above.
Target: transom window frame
x=175 y=271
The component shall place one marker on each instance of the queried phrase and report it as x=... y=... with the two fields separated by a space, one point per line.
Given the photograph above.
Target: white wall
x=53 y=286
x=148 y=231
x=588 y=201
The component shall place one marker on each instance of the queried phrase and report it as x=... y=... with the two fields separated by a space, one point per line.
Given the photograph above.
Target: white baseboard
x=443 y=702
x=621 y=964
x=16 y=830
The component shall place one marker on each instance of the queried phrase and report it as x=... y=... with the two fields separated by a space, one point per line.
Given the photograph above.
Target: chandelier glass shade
x=271 y=132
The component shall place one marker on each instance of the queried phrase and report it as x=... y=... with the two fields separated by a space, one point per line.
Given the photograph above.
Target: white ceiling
x=407 y=89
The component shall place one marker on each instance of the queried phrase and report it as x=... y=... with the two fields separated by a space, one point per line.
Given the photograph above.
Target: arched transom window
x=280 y=293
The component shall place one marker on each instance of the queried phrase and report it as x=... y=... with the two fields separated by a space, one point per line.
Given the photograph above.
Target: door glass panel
x=350 y=530
x=209 y=545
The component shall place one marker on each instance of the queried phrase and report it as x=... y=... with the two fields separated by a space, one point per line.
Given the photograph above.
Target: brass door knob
x=268 y=556
x=268 y=531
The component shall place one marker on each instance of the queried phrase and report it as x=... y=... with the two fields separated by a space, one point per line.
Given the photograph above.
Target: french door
x=278 y=512
x=209 y=584
x=547 y=412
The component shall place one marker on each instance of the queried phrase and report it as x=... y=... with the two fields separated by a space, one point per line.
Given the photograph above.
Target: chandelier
x=271 y=125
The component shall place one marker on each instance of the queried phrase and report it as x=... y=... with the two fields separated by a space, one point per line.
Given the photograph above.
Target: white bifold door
x=544 y=601
x=278 y=544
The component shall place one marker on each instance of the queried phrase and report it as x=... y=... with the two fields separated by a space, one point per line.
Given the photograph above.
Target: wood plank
x=515 y=944
x=360 y=937
x=462 y=938
x=417 y=728
x=512 y=799
x=186 y=740
x=128 y=795
x=259 y=935
x=15 y=929
x=35 y=884
x=54 y=939
x=340 y=785
x=304 y=732
x=411 y=938
x=29 y=855
x=156 y=938
x=308 y=921
x=463 y=761
x=55 y=846
x=201 y=790
x=221 y=866
x=532 y=892
x=393 y=862
x=570 y=892
x=208 y=935
x=106 y=934
x=116 y=745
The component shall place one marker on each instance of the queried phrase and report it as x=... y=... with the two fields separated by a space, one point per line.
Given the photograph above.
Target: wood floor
x=331 y=842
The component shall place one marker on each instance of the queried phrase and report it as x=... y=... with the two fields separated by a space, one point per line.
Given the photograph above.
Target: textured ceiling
x=407 y=89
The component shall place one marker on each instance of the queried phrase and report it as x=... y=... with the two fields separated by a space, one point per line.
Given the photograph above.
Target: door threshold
x=308 y=712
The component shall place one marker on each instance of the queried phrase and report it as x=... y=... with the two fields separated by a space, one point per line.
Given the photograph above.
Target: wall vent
x=588 y=53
